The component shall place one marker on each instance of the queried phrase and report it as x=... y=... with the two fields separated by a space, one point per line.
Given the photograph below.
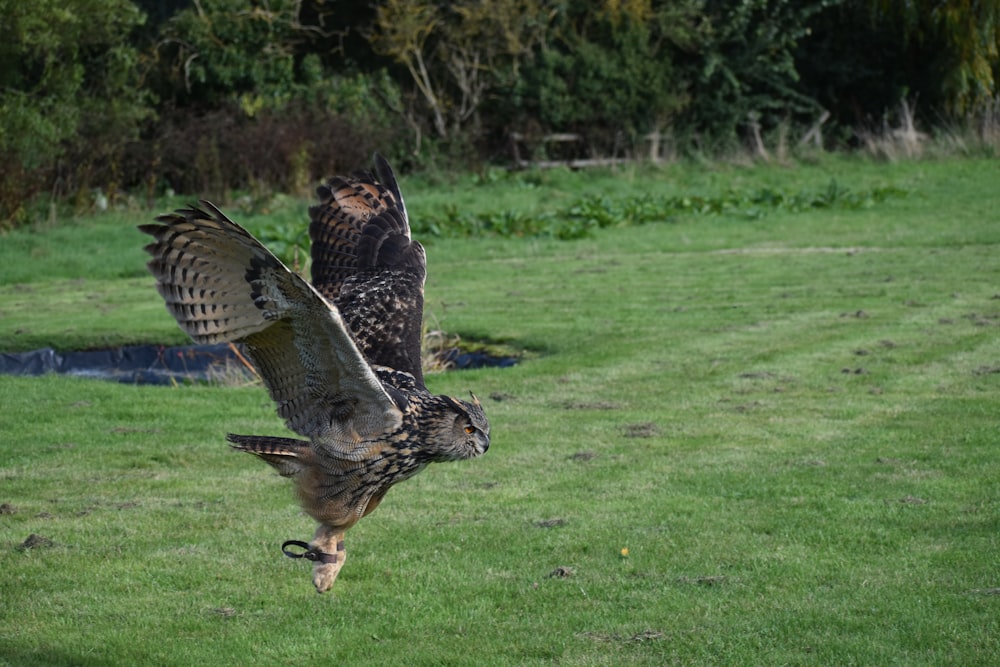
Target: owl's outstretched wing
x=365 y=262
x=221 y=284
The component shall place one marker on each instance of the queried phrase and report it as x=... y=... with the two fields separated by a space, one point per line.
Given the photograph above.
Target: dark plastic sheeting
x=459 y=360
x=155 y=364
x=138 y=364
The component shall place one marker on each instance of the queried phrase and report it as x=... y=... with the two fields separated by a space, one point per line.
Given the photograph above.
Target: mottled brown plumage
x=364 y=261
x=340 y=358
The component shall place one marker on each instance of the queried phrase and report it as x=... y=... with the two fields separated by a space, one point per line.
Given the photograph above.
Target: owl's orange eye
x=470 y=430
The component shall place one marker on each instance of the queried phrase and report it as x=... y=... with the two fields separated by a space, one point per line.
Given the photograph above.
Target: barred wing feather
x=221 y=284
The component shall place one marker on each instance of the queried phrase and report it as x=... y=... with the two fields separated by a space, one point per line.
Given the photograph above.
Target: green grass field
x=737 y=439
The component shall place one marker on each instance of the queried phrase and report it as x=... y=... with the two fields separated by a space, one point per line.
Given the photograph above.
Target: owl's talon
x=324 y=574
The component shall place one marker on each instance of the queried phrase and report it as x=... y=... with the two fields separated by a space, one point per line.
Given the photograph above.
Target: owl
x=340 y=357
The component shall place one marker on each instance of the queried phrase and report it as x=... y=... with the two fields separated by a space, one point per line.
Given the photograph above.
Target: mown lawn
x=736 y=439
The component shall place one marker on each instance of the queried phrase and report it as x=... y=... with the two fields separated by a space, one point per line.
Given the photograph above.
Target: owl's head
x=461 y=429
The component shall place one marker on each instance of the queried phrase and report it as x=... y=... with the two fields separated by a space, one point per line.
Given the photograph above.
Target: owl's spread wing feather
x=221 y=284
x=388 y=178
x=365 y=262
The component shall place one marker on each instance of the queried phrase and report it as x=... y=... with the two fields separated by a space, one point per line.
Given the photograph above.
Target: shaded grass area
x=788 y=423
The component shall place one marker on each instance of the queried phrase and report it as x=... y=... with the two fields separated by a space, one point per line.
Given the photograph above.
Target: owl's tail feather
x=287 y=455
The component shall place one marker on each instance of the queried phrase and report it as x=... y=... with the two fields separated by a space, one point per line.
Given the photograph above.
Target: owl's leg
x=330 y=542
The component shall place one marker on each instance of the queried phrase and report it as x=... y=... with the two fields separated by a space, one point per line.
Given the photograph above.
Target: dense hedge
x=210 y=96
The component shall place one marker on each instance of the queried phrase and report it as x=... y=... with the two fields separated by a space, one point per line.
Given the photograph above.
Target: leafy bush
x=68 y=80
x=224 y=49
x=609 y=75
x=744 y=69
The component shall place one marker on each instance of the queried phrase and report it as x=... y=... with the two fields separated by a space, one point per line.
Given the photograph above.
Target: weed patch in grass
x=580 y=218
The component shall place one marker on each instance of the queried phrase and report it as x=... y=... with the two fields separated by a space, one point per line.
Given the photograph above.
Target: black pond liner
x=458 y=360
x=156 y=364
x=135 y=364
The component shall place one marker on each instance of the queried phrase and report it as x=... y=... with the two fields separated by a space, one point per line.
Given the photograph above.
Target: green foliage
x=608 y=74
x=68 y=77
x=257 y=56
x=220 y=49
x=745 y=70
x=580 y=218
x=246 y=80
x=458 y=55
x=53 y=56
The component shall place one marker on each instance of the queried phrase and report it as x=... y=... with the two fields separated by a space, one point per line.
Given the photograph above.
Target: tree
x=220 y=50
x=68 y=76
x=609 y=72
x=457 y=54
x=402 y=30
x=744 y=70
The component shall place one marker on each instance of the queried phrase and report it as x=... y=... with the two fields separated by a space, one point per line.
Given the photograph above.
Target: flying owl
x=340 y=357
